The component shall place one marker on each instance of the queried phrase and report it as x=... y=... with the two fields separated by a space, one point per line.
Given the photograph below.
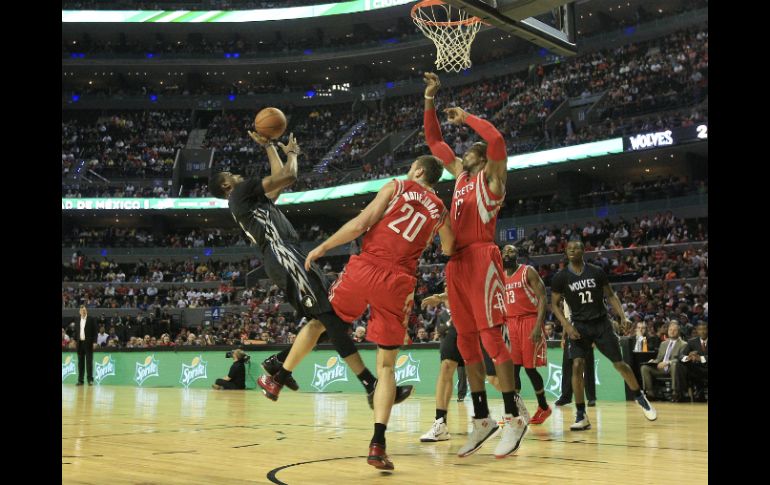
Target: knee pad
x=470 y=350
x=337 y=331
x=492 y=338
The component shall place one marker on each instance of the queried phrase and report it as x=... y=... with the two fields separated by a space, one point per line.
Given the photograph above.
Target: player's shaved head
x=221 y=183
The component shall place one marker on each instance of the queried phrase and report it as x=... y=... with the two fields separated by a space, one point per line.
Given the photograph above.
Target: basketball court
x=120 y=434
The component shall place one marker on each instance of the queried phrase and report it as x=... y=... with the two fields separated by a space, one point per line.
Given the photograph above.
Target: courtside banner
x=321 y=371
x=199 y=16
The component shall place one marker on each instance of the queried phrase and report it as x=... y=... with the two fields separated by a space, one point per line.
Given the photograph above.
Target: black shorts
x=306 y=291
x=449 y=348
x=599 y=332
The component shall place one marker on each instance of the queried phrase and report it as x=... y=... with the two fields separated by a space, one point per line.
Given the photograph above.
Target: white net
x=451 y=30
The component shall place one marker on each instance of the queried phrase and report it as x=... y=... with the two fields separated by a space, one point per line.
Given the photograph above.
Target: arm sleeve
x=435 y=141
x=487 y=131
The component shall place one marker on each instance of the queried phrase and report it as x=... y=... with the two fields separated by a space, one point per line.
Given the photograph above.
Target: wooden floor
x=175 y=436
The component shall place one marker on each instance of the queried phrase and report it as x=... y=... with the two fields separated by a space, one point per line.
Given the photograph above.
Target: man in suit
x=695 y=360
x=667 y=364
x=85 y=336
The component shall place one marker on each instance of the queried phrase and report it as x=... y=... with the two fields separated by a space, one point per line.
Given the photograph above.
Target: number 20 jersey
x=414 y=215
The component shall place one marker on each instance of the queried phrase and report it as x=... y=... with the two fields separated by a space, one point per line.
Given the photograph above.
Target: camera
x=243 y=359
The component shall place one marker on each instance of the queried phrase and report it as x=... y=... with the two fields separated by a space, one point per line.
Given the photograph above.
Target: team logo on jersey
x=146 y=370
x=334 y=371
x=407 y=369
x=105 y=369
x=308 y=301
x=67 y=368
x=191 y=373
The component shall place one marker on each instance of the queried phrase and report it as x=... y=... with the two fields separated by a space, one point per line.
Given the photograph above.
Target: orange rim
x=431 y=3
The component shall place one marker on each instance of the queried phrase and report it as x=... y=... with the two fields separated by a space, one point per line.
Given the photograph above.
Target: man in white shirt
x=85 y=336
x=102 y=337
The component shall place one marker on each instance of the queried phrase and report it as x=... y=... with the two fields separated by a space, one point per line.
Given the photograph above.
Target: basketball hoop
x=451 y=29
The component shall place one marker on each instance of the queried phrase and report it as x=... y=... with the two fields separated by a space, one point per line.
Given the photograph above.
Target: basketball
x=270 y=122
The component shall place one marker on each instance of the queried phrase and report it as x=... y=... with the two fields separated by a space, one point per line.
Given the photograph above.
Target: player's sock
x=368 y=380
x=637 y=393
x=379 y=433
x=281 y=376
x=509 y=402
x=480 y=406
x=281 y=356
x=581 y=410
x=537 y=383
x=441 y=413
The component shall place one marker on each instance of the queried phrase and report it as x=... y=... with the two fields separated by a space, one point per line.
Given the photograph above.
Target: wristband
x=428 y=97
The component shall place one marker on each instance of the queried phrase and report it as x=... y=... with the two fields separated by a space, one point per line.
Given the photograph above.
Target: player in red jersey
x=399 y=223
x=525 y=303
x=475 y=272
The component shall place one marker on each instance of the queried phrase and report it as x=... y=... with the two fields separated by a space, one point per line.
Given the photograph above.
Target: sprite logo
x=193 y=372
x=146 y=370
x=407 y=369
x=553 y=384
x=105 y=369
x=334 y=371
x=67 y=368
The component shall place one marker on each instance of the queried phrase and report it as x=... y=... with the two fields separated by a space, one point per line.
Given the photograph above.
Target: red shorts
x=474 y=283
x=386 y=289
x=523 y=350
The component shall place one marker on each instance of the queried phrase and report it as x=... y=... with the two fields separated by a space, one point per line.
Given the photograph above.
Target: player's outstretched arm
x=287 y=175
x=356 y=226
x=433 y=137
x=434 y=300
x=497 y=158
x=276 y=164
x=536 y=283
x=447 y=238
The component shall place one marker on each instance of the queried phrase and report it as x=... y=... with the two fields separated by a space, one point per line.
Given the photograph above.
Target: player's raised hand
x=432 y=83
x=291 y=147
x=314 y=255
x=432 y=300
x=456 y=116
x=261 y=140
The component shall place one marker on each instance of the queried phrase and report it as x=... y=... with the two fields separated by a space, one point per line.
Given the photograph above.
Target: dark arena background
x=603 y=107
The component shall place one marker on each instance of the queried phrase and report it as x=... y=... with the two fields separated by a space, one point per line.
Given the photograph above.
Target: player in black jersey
x=251 y=202
x=584 y=287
